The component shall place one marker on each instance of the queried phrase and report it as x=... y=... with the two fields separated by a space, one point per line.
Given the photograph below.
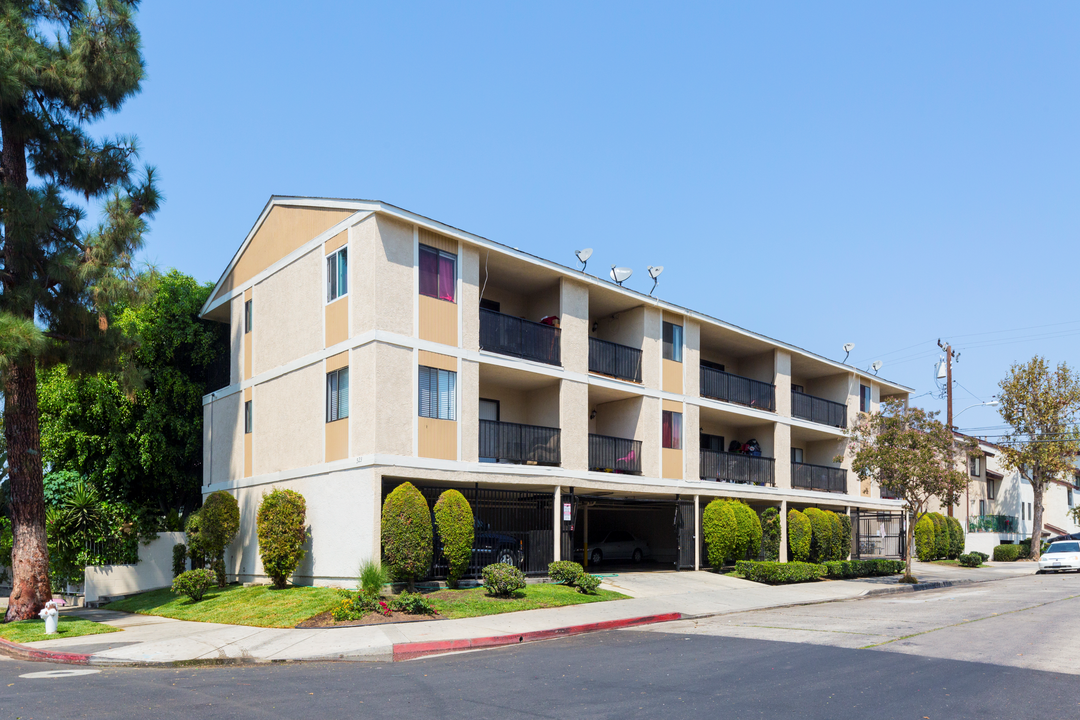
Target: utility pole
x=947 y=347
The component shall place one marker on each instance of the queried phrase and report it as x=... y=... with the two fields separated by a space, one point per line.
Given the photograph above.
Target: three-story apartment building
x=372 y=346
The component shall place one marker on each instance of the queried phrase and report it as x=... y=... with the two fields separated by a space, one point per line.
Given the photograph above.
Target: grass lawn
x=236 y=605
x=25 y=631
x=473 y=602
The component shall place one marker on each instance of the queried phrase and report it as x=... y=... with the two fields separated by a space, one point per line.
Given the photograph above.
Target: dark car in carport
x=490 y=547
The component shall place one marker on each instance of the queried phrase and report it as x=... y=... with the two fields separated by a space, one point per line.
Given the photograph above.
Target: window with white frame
x=337 y=274
x=975 y=466
x=337 y=394
x=438 y=393
x=673 y=340
x=438 y=273
x=247 y=317
x=864 y=398
x=672 y=430
x=990 y=488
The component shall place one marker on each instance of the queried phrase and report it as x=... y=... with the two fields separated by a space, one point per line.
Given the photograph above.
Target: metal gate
x=878 y=534
x=684 y=532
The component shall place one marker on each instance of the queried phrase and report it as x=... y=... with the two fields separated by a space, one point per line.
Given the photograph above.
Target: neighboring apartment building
x=373 y=346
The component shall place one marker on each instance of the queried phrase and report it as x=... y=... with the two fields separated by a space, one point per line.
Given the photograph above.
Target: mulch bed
x=326 y=620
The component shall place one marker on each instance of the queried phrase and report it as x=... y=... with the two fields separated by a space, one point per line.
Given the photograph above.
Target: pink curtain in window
x=429 y=273
x=676 y=431
x=666 y=433
x=446 y=277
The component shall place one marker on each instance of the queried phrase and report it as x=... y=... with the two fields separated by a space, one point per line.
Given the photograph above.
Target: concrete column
x=783 y=383
x=691 y=442
x=782 y=453
x=574 y=321
x=691 y=358
x=558 y=523
x=697 y=532
x=783 y=531
x=574 y=421
x=652 y=348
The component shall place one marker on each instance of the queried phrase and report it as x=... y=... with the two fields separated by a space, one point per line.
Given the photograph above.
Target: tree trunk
x=1037 y=488
x=910 y=532
x=30 y=554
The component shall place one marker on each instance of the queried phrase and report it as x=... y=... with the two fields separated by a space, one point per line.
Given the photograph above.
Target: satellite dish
x=654 y=273
x=876 y=366
x=620 y=274
x=848 y=347
x=583 y=257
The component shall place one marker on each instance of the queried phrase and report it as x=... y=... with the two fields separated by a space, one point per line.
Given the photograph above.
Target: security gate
x=685 y=533
x=878 y=534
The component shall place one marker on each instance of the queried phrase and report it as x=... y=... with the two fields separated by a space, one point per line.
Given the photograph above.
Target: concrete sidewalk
x=655 y=597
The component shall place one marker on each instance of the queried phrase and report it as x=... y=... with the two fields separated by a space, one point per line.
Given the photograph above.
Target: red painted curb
x=410 y=651
x=21 y=652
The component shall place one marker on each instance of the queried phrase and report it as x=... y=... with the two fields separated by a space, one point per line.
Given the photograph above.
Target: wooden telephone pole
x=947 y=347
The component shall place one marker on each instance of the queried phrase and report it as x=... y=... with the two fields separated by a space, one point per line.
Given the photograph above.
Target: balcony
x=994 y=523
x=612 y=454
x=737 y=468
x=818 y=477
x=509 y=335
x=615 y=360
x=721 y=385
x=521 y=444
x=818 y=410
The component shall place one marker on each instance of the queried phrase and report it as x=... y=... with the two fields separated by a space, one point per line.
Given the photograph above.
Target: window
x=438 y=393
x=982 y=507
x=975 y=466
x=672 y=430
x=711 y=442
x=247 y=317
x=1070 y=497
x=864 y=398
x=438 y=273
x=712 y=365
x=337 y=394
x=796 y=455
x=492 y=305
x=672 y=342
x=1029 y=510
x=247 y=417
x=797 y=388
x=337 y=274
x=990 y=489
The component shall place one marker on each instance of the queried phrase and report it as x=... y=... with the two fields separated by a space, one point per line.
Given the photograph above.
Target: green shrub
x=355 y=606
x=970 y=560
x=179 y=559
x=799 y=536
x=1025 y=548
x=502 y=580
x=282 y=526
x=982 y=555
x=942 y=536
x=564 y=572
x=840 y=549
x=888 y=567
x=821 y=535
x=956 y=538
x=412 y=604
x=1006 y=553
x=196 y=547
x=406 y=534
x=777 y=573
x=719 y=528
x=220 y=515
x=770 y=533
x=454 y=522
x=194 y=583
x=587 y=584
x=748 y=544
x=845 y=536
x=371 y=579
x=925 y=538
x=863 y=568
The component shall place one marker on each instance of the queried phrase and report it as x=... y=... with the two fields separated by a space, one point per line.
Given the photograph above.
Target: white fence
x=153 y=571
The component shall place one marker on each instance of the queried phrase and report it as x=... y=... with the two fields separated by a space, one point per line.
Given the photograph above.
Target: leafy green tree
x=64 y=65
x=282 y=528
x=456 y=527
x=1041 y=406
x=770 y=540
x=220 y=515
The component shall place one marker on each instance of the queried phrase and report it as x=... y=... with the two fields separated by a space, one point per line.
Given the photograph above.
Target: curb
x=414 y=650
x=22 y=652
x=937 y=585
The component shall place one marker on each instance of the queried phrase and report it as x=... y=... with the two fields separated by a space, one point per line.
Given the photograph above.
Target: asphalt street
x=705 y=669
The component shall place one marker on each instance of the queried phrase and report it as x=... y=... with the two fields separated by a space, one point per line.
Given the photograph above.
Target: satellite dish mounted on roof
x=848 y=347
x=654 y=273
x=619 y=275
x=583 y=257
x=876 y=366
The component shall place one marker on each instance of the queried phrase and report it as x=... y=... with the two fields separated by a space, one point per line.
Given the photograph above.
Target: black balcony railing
x=818 y=477
x=509 y=335
x=887 y=494
x=523 y=444
x=818 y=410
x=608 y=358
x=733 y=388
x=612 y=454
x=737 y=468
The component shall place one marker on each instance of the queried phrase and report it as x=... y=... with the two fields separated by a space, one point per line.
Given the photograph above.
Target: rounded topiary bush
x=925 y=539
x=942 y=536
x=971 y=560
x=282 y=528
x=845 y=536
x=564 y=572
x=454 y=522
x=194 y=583
x=770 y=533
x=502 y=580
x=406 y=533
x=821 y=535
x=748 y=537
x=799 y=536
x=719 y=529
x=956 y=538
x=220 y=521
x=1006 y=553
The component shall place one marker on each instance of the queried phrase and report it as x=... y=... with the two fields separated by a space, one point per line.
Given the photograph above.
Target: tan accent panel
x=673 y=468
x=284 y=230
x=673 y=318
x=437 y=439
x=673 y=376
x=335 y=242
x=439 y=242
x=335 y=362
x=247 y=394
x=247 y=454
x=671 y=406
x=435 y=360
x=337 y=440
x=438 y=320
x=337 y=321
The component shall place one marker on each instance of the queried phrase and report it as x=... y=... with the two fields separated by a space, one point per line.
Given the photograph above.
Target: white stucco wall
x=287 y=313
x=289 y=418
x=153 y=571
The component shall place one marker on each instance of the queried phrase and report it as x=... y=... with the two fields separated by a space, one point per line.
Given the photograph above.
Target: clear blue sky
x=877 y=173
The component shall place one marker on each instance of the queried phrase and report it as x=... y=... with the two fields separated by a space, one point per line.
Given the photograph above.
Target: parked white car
x=1064 y=555
x=618 y=545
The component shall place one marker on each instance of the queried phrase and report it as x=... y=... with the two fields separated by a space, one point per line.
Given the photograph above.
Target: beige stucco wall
x=226 y=431
x=691 y=358
x=783 y=382
x=652 y=348
x=288 y=314
x=651 y=458
x=395 y=399
x=469 y=267
x=383 y=277
x=362 y=401
x=469 y=418
x=621 y=419
x=625 y=328
x=781 y=450
x=288 y=414
x=574 y=321
x=236 y=339
x=691 y=441
x=574 y=422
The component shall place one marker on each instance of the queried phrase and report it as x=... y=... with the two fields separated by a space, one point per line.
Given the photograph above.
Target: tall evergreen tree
x=64 y=64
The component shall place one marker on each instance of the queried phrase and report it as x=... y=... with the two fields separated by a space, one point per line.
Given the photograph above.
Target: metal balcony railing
x=522 y=444
x=509 y=335
x=737 y=468
x=818 y=477
x=721 y=385
x=818 y=410
x=612 y=454
x=994 y=523
x=608 y=358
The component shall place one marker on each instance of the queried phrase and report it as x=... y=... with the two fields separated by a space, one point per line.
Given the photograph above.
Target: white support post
x=783 y=531
x=697 y=532
x=558 y=524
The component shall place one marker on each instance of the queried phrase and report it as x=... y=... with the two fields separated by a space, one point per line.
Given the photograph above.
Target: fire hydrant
x=50 y=616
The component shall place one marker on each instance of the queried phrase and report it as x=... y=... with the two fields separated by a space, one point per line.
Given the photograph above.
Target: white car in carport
x=618 y=545
x=1064 y=555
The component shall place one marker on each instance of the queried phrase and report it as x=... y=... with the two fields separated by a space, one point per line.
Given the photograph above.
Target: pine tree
x=64 y=64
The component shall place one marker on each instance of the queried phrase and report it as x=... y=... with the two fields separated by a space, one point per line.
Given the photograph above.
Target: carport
x=609 y=532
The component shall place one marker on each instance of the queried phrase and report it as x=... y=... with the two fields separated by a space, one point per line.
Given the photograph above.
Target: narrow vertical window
x=438 y=273
x=864 y=398
x=672 y=430
x=337 y=274
x=247 y=317
x=438 y=393
x=673 y=342
x=247 y=417
x=990 y=489
x=982 y=507
x=796 y=455
x=337 y=394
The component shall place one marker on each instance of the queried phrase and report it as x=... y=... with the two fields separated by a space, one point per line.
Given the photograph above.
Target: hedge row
x=863 y=568
x=818 y=536
x=778 y=573
x=938 y=537
x=732 y=531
